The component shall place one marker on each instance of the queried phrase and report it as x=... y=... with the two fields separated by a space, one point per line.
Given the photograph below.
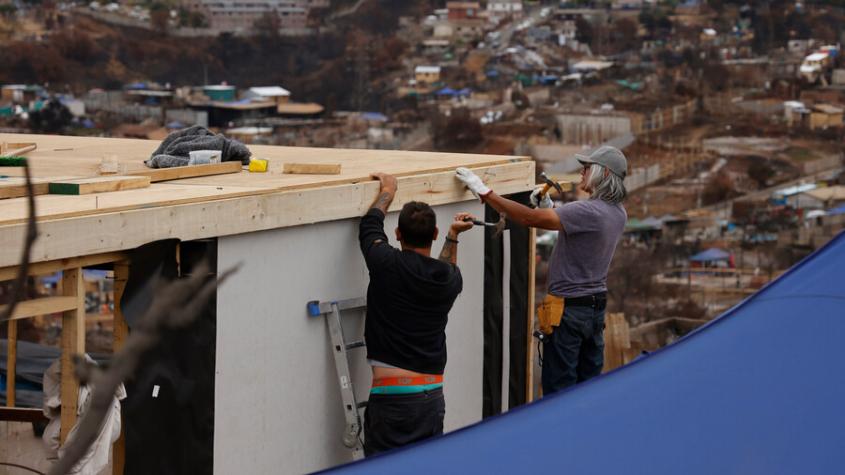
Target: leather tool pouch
x=549 y=313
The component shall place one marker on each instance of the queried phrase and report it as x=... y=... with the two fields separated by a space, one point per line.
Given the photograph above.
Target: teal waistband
x=405 y=389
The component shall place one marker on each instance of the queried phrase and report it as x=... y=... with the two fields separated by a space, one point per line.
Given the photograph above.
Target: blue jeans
x=574 y=352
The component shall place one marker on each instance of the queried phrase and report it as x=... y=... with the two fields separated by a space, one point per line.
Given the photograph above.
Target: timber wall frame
x=71 y=304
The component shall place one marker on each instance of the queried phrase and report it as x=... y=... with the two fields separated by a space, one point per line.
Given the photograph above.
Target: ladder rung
x=355 y=344
x=317 y=308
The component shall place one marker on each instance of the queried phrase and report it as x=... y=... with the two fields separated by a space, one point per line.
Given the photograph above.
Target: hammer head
x=500 y=225
x=550 y=183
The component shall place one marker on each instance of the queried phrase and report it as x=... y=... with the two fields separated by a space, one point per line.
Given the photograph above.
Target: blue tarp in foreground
x=760 y=390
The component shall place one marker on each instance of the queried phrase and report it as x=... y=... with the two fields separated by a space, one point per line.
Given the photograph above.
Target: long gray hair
x=609 y=188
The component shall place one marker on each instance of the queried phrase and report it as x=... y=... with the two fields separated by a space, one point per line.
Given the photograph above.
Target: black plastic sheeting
x=169 y=411
x=493 y=312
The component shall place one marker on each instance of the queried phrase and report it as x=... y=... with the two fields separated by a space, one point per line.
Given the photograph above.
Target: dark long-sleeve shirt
x=408 y=301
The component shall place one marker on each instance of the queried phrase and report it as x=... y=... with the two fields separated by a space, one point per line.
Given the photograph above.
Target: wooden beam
x=617 y=341
x=16 y=149
x=312 y=168
x=529 y=360
x=121 y=332
x=73 y=343
x=21 y=414
x=15 y=187
x=51 y=267
x=43 y=306
x=11 y=361
x=177 y=173
x=98 y=184
x=62 y=238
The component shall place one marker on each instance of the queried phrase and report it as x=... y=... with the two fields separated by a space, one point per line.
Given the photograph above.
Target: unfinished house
x=252 y=386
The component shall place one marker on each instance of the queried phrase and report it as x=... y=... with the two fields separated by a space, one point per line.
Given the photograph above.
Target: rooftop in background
x=833 y=193
x=270 y=91
x=299 y=108
x=427 y=69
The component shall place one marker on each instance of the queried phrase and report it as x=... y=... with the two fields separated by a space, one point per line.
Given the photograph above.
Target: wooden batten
x=73 y=343
x=11 y=361
x=43 y=306
x=193 y=171
x=101 y=184
x=51 y=267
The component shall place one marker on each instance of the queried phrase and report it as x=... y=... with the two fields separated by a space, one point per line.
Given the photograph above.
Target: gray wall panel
x=277 y=403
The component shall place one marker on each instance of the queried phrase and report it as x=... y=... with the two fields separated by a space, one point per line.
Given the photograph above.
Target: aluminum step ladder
x=331 y=310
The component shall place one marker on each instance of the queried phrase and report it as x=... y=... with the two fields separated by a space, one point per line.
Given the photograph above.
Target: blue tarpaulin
x=757 y=391
x=374 y=116
x=87 y=274
x=837 y=210
x=712 y=254
x=446 y=91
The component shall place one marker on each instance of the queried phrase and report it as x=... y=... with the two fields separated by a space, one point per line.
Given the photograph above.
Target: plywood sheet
x=81 y=156
x=220 y=205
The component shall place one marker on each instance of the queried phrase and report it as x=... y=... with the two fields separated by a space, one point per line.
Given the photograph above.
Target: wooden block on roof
x=16 y=149
x=191 y=171
x=15 y=187
x=312 y=168
x=100 y=184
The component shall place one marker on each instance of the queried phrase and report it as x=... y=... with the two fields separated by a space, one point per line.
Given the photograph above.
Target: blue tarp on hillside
x=837 y=210
x=712 y=254
x=757 y=391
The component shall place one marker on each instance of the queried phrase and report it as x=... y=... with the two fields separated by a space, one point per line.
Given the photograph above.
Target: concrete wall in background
x=277 y=401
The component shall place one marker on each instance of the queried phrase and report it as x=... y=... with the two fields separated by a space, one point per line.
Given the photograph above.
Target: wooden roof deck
x=195 y=208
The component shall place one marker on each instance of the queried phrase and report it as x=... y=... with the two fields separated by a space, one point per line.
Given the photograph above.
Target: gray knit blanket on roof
x=173 y=151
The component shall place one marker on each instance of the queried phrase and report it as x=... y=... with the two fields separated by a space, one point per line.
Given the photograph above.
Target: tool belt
x=550 y=310
x=549 y=313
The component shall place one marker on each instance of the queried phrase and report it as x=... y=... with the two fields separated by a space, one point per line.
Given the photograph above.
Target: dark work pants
x=574 y=352
x=394 y=420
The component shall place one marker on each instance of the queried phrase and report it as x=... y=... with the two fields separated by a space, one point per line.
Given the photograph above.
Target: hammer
x=498 y=226
x=549 y=183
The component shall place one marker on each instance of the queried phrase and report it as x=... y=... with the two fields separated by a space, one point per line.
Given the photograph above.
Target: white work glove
x=546 y=202
x=473 y=182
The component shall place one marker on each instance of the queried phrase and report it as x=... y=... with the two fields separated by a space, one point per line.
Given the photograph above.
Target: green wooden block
x=12 y=161
x=64 y=188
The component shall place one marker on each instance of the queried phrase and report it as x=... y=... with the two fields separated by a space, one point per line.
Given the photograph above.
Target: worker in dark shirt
x=408 y=303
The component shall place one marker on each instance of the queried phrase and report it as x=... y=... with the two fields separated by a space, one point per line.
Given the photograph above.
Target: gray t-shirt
x=585 y=246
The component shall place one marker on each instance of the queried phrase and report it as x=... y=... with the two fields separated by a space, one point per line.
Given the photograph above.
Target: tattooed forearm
x=449 y=253
x=383 y=201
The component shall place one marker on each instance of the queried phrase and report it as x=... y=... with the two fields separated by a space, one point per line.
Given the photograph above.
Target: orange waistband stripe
x=408 y=381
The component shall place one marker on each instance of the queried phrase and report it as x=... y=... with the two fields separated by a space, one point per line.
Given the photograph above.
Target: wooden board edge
x=120 y=230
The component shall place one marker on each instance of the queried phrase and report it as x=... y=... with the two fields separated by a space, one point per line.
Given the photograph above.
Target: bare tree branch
x=177 y=304
x=31 y=235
